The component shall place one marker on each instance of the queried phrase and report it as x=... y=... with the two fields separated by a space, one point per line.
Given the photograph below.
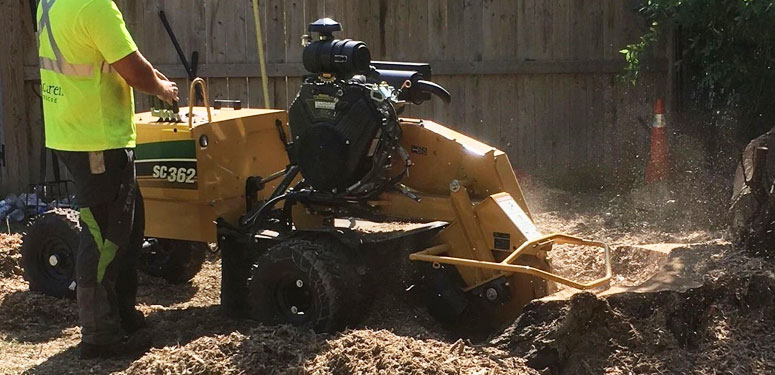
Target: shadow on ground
x=167 y=327
x=32 y=317
x=156 y=291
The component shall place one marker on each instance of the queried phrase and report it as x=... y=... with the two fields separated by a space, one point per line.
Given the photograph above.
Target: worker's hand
x=140 y=74
x=169 y=92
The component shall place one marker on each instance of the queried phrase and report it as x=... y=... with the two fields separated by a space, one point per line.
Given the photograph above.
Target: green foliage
x=727 y=50
x=632 y=54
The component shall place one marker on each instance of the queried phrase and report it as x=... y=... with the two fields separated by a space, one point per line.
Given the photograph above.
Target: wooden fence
x=535 y=78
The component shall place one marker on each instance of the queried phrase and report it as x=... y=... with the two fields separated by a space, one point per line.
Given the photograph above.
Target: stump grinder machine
x=318 y=209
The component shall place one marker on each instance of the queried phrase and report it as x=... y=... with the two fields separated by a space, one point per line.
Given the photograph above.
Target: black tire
x=49 y=251
x=176 y=261
x=306 y=284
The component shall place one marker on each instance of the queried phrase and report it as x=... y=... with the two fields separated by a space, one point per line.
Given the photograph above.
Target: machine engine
x=344 y=133
x=344 y=120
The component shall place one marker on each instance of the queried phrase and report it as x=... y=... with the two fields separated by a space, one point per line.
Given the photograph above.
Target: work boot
x=133 y=322
x=134 y=345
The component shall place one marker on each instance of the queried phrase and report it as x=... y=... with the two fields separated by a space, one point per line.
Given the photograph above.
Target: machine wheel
x=176 y=261
x=305 y=283
x=49 y=251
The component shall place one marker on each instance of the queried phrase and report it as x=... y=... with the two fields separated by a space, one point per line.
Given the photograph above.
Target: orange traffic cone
x=658 y=165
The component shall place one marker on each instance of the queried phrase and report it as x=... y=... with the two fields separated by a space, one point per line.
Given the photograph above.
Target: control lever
x=163 y=110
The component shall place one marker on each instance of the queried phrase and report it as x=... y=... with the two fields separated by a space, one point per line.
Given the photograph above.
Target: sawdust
x=382 y=352
x=10 y=258
x=287 y=350
x=262 y=350
x=366 y=226
x=657 y=213
x=723 y=326
x=680 y=211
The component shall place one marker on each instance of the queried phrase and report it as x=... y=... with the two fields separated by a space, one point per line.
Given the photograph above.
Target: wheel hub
x=58 y=261
x=294 y=298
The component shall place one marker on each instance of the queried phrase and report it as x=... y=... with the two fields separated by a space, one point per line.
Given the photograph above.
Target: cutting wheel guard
x=434 y=255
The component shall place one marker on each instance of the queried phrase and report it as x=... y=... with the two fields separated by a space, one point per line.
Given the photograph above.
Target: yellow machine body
x=191 y=176
x=192 y=173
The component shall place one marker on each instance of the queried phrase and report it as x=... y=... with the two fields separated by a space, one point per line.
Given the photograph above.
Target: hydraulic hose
x=256 y=216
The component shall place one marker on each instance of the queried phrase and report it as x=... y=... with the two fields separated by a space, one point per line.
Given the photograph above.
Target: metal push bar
x=433 y=255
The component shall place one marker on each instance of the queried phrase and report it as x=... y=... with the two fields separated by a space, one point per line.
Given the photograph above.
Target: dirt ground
x=683 y=300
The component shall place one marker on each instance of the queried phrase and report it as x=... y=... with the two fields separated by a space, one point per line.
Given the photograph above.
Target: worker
x=88 y=66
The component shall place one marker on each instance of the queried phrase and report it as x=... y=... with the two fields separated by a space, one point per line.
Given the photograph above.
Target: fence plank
x=437 y=29
x=35 y=121
x=525 y=140
x=473 y=30
x=30 y=53
x=295 y=26
x=12 y=98
x=238 y=89
x=563 y=135
x=220 y=35
x=330 y=8
x=499 y=26
x=544 y=146
x=390 y=24
x=255 y=91
x=526 y=24
x=509 y=130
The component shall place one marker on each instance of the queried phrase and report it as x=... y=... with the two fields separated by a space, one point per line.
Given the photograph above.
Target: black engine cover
x=335 y=127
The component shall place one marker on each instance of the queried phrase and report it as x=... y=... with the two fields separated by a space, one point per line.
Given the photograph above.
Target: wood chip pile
x=289 y=351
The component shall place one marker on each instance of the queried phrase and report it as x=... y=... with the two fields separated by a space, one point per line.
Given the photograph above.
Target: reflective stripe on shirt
x=60 y=65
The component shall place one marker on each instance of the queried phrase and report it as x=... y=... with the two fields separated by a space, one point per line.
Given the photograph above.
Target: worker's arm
x=141 y=75
x=103 y=26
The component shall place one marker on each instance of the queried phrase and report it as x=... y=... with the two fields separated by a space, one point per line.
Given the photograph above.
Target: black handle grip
x=433 y=88
x=236 y=104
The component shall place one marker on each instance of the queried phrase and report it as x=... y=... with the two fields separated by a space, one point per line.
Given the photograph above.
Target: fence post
x=15 y=130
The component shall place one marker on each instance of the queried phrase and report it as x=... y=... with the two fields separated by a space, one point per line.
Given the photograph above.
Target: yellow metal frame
x=433 y=255
x=200 y=82
x=240 y=143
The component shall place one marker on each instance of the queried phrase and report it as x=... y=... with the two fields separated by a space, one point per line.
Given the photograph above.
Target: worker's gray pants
x=112 y=225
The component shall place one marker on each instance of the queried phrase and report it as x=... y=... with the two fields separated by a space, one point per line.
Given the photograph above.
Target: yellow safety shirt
x=87 y=105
